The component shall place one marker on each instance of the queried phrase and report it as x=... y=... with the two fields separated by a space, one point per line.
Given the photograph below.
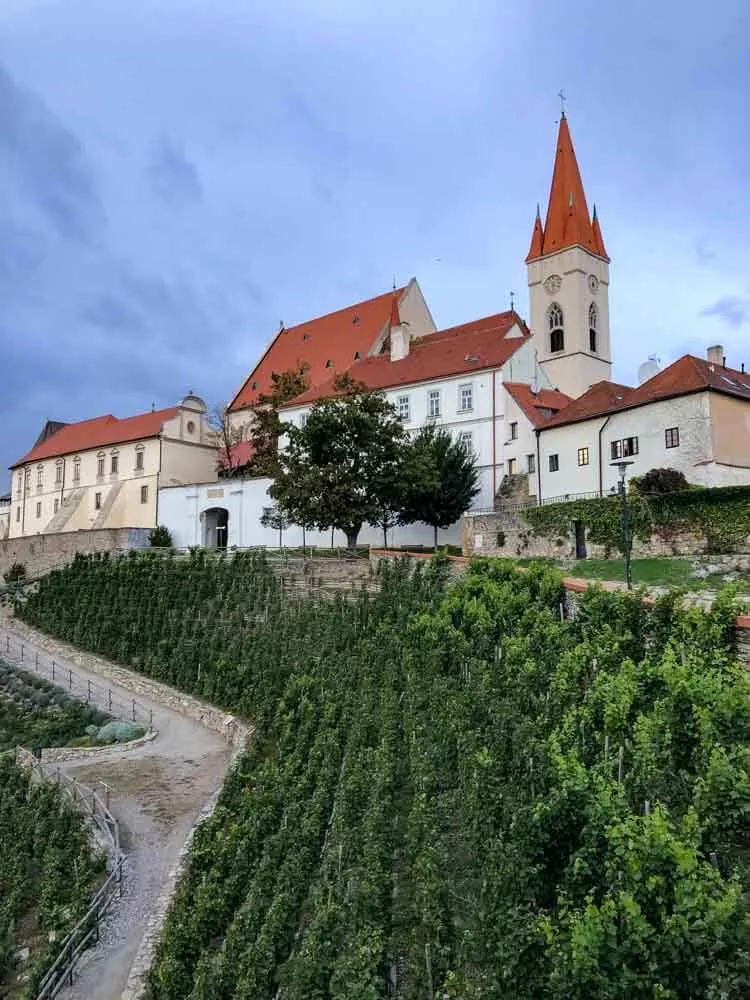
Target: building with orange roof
x=106 y=472
x=693 y=416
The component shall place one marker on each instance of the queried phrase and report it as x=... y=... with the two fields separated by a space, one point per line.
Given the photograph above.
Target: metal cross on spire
x=512 y=300
x=563 y=99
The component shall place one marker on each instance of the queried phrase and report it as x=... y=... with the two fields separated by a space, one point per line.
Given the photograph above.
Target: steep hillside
x=452 y=792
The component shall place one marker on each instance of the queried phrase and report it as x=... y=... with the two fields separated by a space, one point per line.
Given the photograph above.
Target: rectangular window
x=624 y=448
x=672 y=437
x=139 y=461
x=56 y=505
x=554 y=463
x=39 y=510
x=302 y=419
x=467 y=440
x=583 y=456
x=531 y=463
x=19 y=485
x=512 y=466
x=433 y=403
x=18 y=514
x=115 y=464
x=466 y=398
x=58 y=473
x=144 y=494
x=97 y=501
x=100 y=466
x=40 y=475
x=514 y=431
x=76 y=472
x=403 y=409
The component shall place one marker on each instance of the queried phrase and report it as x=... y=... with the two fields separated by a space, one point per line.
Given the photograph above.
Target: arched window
x=555 y=327
x=593 y=326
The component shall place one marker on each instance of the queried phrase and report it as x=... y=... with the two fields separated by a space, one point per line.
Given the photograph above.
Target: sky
x=177 y=177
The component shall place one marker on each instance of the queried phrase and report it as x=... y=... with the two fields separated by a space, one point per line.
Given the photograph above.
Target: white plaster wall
x=181 y=507
x=693 y=457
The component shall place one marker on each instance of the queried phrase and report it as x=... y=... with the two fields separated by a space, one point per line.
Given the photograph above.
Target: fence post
x=7 y=643
x=109 y=700
x=21 y=652
x=53 y=670
x=88 y=691
x=151 y=720
x=70 y=678
x=133 y=709
x=36 y=661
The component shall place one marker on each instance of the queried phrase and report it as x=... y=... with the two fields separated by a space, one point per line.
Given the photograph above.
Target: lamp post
x=622 y=468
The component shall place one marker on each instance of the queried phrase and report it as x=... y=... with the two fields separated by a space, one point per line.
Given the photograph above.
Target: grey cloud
x=734 y=310
x=46 y=162
x=175 y=178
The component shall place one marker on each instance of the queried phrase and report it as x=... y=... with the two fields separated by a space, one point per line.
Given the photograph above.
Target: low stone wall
x=233 y=731
x=42 y=553
x=506 y=533
x=57 y=755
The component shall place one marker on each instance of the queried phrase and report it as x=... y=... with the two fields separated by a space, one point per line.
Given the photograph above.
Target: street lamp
x=622 y=468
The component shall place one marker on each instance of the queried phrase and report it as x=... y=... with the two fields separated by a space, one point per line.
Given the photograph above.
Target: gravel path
x=157 y=791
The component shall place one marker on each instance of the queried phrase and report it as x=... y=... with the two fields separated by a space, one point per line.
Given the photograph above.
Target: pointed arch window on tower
x=555 y=328
x=593 y=327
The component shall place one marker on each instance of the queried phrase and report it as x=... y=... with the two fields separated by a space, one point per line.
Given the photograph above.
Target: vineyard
x=453 y=793
x=35 y=713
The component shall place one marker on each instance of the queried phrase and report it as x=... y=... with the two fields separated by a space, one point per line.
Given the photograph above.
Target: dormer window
x=329 y=363
x=555 y=328
x=593 y=326
x=357 y=355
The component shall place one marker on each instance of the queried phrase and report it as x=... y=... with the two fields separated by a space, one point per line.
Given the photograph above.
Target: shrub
x=16 y=572
x=660 y=481
x=160 y=537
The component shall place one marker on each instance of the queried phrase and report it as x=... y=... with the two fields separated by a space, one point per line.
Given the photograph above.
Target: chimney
x=400 y=336
x=715 y=354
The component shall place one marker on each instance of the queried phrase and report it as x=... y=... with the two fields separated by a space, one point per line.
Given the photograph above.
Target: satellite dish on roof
x=648 y=369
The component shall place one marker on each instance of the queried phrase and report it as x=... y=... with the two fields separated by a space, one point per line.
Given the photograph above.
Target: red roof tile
x=461 y=349
x=537 y=406
x=98 y=432
x=568 y=223
x=686 y=375
x=329 y=344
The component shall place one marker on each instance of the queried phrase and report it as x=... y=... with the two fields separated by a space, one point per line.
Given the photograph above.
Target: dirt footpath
x=157 y=791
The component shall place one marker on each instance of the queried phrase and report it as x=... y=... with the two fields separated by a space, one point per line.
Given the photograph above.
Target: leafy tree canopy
x=337 y=470
x=660 y=481
x=267 y=426
x=440 y=479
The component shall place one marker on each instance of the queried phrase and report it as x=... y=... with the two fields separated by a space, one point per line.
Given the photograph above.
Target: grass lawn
x=654 y=572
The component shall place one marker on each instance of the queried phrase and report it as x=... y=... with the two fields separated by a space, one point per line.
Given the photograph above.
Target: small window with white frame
x=467 y=440
x=514 y=430
x=144 y=494
x=583 y=456
x=59 y=466
x=672 y=437
x=19 y=484
x=554 y=463
x=77 y=469
x=302 y=420
x=433 y=403
x=56 y=505
x=39 y=476
x=403 y=408
x=466 y=398
x=100 y=464
x=39 y=508
x=531 y=463
x=139 y=458
x=97 y=501
x=114 y=465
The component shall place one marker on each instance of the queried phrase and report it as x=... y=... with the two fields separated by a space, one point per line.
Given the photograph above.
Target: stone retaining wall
x=57 y=755
x=212 y=718
x=42 y=553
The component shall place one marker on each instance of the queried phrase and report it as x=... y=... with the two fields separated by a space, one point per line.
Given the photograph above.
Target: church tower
x=568 y=274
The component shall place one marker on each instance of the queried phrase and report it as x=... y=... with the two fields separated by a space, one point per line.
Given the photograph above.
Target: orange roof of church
x=686 y=375
x=537 y=406
x=568 y=222
x=459 y=350
x=328 y=345
x=98 y=432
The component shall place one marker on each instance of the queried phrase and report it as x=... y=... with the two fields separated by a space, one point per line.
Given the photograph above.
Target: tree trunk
x=385 y=534
x=351 y=535
x=434 y=527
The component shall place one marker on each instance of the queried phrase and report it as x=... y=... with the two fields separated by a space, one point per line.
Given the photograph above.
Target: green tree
x=266 y=426
x=160 y=537
x=336 y=470
x=227 y=435
x=272 y=517
x=660 y=481
x=440 y=479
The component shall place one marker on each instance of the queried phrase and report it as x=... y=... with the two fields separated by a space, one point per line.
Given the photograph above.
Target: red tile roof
x=537 y=406
x=460 y=350
x=328 y=344
x=99 y=432
x=568 y=223
x=686 y=375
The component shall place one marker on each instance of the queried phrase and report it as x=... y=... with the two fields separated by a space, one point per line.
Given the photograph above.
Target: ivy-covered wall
x=718 y=519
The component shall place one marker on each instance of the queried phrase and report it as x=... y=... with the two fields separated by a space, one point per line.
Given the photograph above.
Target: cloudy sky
x=177 y=176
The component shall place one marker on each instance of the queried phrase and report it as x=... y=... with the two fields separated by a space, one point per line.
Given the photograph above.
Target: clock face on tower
x=552 y=284
x=593 y=284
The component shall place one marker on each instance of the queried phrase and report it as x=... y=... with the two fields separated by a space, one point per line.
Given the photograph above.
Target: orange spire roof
x=598 y=240
x=568 y=222
x=537 y=238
